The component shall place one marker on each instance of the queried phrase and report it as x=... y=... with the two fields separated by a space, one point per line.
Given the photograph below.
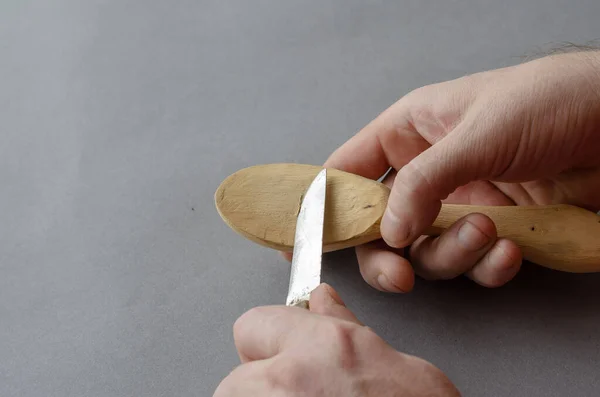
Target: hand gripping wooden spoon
x=262 y=203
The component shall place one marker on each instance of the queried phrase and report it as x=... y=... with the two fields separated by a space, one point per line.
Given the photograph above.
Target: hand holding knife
x=276 y=361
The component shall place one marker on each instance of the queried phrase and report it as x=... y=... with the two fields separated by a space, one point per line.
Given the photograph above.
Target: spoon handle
x=561 y=237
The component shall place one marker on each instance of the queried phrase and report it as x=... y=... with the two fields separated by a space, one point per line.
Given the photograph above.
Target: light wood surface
x=261 y=203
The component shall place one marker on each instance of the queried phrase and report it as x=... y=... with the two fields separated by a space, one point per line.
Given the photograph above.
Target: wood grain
x=262 y=202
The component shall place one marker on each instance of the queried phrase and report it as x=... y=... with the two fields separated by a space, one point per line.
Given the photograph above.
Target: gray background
x=119 y=119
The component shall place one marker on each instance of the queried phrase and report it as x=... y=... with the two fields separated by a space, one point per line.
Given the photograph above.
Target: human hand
x=522 y=135
x=288 y=351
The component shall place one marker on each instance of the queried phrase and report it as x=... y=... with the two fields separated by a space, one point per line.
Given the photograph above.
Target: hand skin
x=289 y=352
x=522 y=135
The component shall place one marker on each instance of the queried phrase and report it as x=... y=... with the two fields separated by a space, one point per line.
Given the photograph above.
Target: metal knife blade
x=308 y=243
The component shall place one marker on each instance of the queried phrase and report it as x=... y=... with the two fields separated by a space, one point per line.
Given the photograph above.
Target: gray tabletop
x=119 y=119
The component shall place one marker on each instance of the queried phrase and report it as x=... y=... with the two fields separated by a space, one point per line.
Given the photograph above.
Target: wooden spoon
x=262 y=202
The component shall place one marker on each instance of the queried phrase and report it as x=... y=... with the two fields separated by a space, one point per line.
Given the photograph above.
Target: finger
x=324 y=300
x=387 y=141
x=384 y=268
x=262 y=332
x=479 y=193
x=498 y=266
x=421 y=185
x=456 y=250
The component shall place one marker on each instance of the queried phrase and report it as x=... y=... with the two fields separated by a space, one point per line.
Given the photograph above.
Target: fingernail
x=471 y=237
x=393 y=230
x=385 y=284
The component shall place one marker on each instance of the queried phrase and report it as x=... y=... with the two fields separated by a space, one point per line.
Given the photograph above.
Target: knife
x=305 y=273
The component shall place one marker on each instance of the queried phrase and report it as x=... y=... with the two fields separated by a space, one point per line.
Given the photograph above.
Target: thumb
x=421 y=185
x=325 y=300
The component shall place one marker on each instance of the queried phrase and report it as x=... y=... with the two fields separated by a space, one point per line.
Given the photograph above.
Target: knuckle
x=420 y=94
x=419 y=179
x=289 y=374
x=339 y=332
x=347 y=340
x=247 y=318
x=370 y=340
